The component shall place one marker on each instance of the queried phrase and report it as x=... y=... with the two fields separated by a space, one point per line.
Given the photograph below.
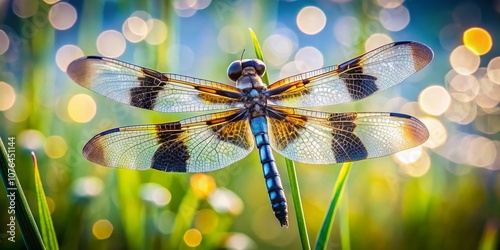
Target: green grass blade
x=258 y=53
x=46 y=225
x=326 y=228
x=297 y=204
x=15 y=194
x=292 y=176
x=345 y=237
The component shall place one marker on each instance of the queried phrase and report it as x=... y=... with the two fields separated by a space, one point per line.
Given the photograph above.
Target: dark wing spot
x=172 y=155
x=145 y=95
x=358 y=84
x=232 y=129
x=345 y=144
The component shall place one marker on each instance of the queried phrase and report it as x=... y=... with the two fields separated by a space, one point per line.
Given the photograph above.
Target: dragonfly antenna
x=242 y=53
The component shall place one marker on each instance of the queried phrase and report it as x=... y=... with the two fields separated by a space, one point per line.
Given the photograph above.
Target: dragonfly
x=247 y=113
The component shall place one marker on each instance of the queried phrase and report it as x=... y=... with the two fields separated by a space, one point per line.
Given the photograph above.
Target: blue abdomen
x=271 y=174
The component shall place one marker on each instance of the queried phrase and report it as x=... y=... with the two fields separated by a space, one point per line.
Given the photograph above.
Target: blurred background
x=442 y=195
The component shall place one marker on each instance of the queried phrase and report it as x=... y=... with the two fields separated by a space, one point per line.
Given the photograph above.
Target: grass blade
x=258 y=53
x=25 y=220
x=46 y=225
x=297 y=204
x=292 y=176
x=326 y=228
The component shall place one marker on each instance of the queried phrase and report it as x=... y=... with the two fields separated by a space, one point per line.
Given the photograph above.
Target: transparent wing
x=355 y=79
x=324 y=138
x=149 y=89
x=199 y=144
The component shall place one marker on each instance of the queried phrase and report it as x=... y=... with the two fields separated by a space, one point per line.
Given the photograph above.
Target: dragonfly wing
x=324 y=138
x=149 y=89
x=199 y=144
x=355 y=79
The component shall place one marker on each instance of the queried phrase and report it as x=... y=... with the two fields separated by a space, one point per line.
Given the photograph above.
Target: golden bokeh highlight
x=437 y=132
x=464 y=61
x=395 y=19
x=4 y=42
x=81 y=108
x=434 y=100
x=66 y=54
x=376 y=40
x=202 y=184
x=206 y=221
x=311 y=20
x=478 y=40
x=55 y=146
x=51 y=1
x=192 y=238
x=157 y=31
x=111 y=43
x=62 y=16
x=7 y=96
x=102 y=229
x=494 y=70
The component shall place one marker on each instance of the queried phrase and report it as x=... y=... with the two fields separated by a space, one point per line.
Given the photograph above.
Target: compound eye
x=234 y=70
x=259 y=66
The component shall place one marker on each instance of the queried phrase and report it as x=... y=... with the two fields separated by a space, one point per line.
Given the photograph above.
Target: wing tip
x=79 y=69
x=421 y=54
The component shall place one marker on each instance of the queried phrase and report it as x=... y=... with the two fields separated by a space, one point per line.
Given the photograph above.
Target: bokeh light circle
x=277 y=48
x=394 y=19
x=62 y=15
x=20 y=111
x=312 y=57
x=464 y=61
x=346 y=31
x=389 y=4
x=4 y=42
x=102 y=229
x=111 y=43
x=135 y=29
x=478 y=40
x=231 y=39
x=311 y=20
x=7 y=96
x=376 y=40
x=494 y=70
x=81 y=108
x=157 y=31
x=66 y=54
x=437 y=132
x=192 y=237
x=25 y=8
x=434 y=100
x=55 y=146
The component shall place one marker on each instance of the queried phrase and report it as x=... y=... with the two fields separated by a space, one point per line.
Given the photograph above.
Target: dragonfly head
x=241 y=68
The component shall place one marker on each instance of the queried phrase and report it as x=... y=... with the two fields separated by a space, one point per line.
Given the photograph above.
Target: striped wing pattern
x=324 y=138
x=149 y=89
x=199 y=144
x=355 y=79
